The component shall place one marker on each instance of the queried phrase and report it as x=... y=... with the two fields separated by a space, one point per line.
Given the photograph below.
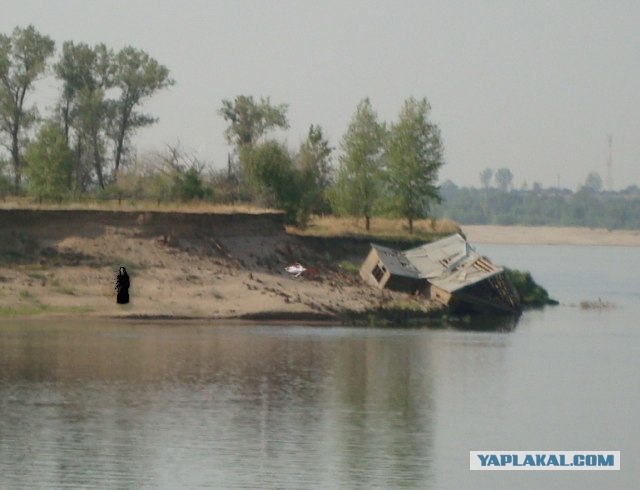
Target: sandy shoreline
x=549 y=235
x=207 y=267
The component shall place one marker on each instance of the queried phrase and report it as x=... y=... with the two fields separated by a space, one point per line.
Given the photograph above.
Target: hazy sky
x=535 y=86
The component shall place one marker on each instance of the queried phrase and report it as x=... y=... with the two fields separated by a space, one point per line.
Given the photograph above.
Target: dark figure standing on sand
x=122 y=286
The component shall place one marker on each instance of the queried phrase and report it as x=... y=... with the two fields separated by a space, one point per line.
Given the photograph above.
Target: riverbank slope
x=182 y=265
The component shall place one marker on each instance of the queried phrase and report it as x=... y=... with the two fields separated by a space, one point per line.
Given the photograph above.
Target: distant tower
x=610 y=163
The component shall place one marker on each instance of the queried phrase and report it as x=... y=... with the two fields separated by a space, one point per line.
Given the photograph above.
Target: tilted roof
x=450 y=264
x=396 y=262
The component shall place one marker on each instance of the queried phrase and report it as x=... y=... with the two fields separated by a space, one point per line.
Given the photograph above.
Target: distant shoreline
x=550 y=235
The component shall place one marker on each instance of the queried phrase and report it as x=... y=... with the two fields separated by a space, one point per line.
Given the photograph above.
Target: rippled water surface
x=109 y=405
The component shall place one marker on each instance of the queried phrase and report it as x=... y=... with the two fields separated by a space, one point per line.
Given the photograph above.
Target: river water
x=109 y=405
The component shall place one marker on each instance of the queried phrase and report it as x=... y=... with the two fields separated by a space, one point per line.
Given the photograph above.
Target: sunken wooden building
x=449 y=271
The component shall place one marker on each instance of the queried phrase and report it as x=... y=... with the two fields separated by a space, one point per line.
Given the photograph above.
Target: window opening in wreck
x=378 y=272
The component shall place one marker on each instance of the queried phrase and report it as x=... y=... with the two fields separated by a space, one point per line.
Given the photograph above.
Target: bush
x=531 y=294
x=349 y=267
x=49 y=168
x=189 y=186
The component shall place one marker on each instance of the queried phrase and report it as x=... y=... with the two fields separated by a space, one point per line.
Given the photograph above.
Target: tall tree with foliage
x=92 y=116
x=485 y=178
x=276 y=179
x=504 y=179
x=23 y=59
x=414 y=156
x=81 y=68
x=5 y=182
x=593 y=182
x=314 y=164
x=358 y=184
x=137 y=76
x=86 y=74
x=48 y=168
x=249 y=120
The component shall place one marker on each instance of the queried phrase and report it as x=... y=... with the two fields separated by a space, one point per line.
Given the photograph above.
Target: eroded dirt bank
x=181 y=265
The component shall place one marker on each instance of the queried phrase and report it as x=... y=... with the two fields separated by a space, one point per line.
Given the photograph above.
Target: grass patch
x=20 y=310
x=27 y=295
x=58 y=287
x=349 y=267
x=39 y=309
x=384 y=228
x=17 y=247
x=405 y=305
x=38 y=276
x=118 y=262
x=13 y=256
x=399 y=313
x=134 y=205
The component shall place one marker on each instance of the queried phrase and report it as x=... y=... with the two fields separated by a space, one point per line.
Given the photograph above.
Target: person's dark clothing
x=122 y=286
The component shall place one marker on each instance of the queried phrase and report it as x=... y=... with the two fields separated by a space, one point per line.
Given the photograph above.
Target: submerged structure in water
x=449 y=271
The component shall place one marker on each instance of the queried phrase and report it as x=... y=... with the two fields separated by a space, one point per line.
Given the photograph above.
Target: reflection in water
x=485 y=323
x=137 y=405
x=385 y=384
x=141 y=406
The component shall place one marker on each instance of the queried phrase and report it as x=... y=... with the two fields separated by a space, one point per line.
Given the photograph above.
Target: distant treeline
x=541 y=206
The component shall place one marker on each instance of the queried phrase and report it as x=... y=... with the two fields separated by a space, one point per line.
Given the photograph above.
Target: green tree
x=23 y=59
x=81 y=67
x=175 y=174
x=250 y=120
x=160 y=187
x=138 y=77
x=87 y=73
x=540 y=206
x=504 y=179
x=189 y=185
x=593 y=182
x=314 y=164
x=91 y=118
x=48 y=168
x=275 y=178
x=225 y=184
x=485 y=177
x=358 y=184
x=5 y=182
x=414 y=156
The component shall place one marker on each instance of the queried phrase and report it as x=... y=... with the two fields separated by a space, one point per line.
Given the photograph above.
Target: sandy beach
x=548 y=235
x=213 y=266
x=181 y=266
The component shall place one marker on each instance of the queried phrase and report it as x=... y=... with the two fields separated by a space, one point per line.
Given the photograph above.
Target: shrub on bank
x=531 y=293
